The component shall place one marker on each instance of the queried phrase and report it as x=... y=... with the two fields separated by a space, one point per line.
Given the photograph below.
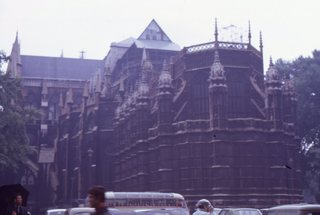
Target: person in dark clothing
x=18 y=208
x=97 y=200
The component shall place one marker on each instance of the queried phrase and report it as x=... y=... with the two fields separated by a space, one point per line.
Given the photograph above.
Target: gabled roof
x=153 y=37
x=154 y=32
x=59 y=67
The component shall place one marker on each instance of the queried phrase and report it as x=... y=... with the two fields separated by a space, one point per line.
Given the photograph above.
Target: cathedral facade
x=203 y=121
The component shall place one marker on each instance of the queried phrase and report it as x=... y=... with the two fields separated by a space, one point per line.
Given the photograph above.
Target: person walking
x=18 y=208
x=97 y=200
x=204 y=207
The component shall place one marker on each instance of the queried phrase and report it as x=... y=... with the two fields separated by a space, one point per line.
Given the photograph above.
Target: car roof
x=57 y=210
x=253 y=209
x=81 y=209
x=302 y=206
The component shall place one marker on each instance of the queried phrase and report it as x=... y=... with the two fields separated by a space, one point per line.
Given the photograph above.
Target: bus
x=295 y=209
x=145 y=200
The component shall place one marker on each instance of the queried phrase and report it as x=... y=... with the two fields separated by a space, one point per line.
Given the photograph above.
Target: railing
x=221 y=45
x=37 y=82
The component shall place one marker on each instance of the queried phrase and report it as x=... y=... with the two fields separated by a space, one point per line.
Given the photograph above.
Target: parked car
x=240 y=211
x=216 y=211
x=162 y=211
x=296 y=209
x=58 y=211
x=80 y=211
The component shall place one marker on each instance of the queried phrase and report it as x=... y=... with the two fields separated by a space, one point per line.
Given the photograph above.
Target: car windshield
x=162 y=212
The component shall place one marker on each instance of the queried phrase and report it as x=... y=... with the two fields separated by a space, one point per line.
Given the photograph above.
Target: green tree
x=14 y=145
x=305 y=72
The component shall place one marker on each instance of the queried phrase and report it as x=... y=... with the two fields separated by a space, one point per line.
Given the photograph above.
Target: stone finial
x=272 y=74
x=217 y=69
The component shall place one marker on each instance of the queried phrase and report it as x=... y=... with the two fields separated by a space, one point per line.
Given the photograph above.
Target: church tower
x=15 y=64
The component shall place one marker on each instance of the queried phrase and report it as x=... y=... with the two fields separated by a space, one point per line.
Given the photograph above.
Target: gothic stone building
x=203 y=121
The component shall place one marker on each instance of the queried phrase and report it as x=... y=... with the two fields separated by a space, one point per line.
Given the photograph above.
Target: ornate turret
x=272 y=74
x=165 y=96
x=146 y=67
x=165 y=79
x=274 y=103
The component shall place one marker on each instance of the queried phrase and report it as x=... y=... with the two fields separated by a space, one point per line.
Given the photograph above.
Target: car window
x=56 y=213
x=247 y=212
x=82 y=213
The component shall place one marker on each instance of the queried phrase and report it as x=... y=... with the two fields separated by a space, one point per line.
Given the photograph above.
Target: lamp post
x=64 y=172
x=90 y=154
x=78 y=175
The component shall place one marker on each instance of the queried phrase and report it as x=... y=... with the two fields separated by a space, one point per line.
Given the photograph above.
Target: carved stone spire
x=249 y=33
x=14 y=66
x=272 y=74
x=215 y=31
x=261 y=44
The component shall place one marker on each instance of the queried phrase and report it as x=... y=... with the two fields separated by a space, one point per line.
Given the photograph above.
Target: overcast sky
x=290 y=28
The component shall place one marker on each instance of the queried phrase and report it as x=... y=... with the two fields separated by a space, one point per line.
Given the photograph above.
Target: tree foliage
x=14 y=145
x=305 y=72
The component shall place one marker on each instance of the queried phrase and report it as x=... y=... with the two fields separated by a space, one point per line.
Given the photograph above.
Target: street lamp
x=64 y=172
x=90 y=154
x=79 y=181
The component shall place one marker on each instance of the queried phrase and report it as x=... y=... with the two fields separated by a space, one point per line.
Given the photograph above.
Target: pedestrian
x=97 y=200
x=18 y=208
x=204 y=207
